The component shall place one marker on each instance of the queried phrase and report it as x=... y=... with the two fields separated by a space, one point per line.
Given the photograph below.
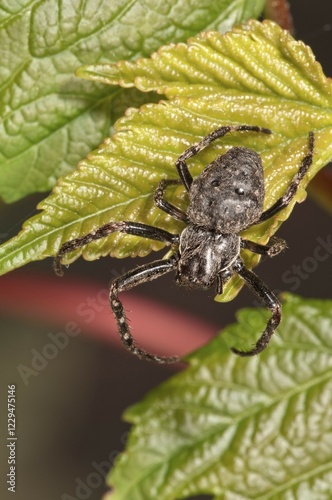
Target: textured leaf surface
x=258 y=428
x=50 y=118
x=256 y=74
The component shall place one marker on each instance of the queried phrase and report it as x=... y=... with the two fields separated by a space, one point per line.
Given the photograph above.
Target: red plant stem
x=279 y=11
x=158 y=327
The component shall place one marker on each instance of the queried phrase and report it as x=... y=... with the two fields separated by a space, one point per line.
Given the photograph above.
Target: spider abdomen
x=204 y=254
x=228 y=195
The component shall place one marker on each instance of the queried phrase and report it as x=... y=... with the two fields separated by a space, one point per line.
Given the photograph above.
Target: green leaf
x=50 y=118
x=239 y=428
x=255 y=74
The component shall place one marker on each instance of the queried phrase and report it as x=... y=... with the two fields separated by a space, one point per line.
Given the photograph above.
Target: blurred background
x=59 y=342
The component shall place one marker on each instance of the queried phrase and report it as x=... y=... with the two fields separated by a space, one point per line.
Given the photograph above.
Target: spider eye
x=239 y=191
x=215 y=183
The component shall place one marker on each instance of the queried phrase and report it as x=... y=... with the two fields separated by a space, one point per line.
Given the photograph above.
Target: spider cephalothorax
x=226 y=198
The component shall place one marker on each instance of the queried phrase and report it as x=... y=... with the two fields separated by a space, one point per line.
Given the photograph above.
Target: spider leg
x=193 y=150
x=164 y=205
x=222 y=279
x=278 y=245
x=133 y=278
x=293 y=187
x=129 y=227
x=268 y=299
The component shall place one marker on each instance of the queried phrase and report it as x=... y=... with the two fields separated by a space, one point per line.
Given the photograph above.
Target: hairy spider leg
x=126 y=227
x=193 y=150
x=164 y=205
x=222 y=279
x=133 y=278
x=277 y=246
x=284 y=200
x=268 y=299
x=140 y=275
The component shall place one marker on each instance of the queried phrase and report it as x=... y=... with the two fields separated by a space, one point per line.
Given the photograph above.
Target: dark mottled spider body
x=229 y=194
x=226 y=198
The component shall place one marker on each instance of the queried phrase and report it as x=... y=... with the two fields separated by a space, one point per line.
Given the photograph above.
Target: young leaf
x=239 y=428
x=50 y=118
x=255 y=74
